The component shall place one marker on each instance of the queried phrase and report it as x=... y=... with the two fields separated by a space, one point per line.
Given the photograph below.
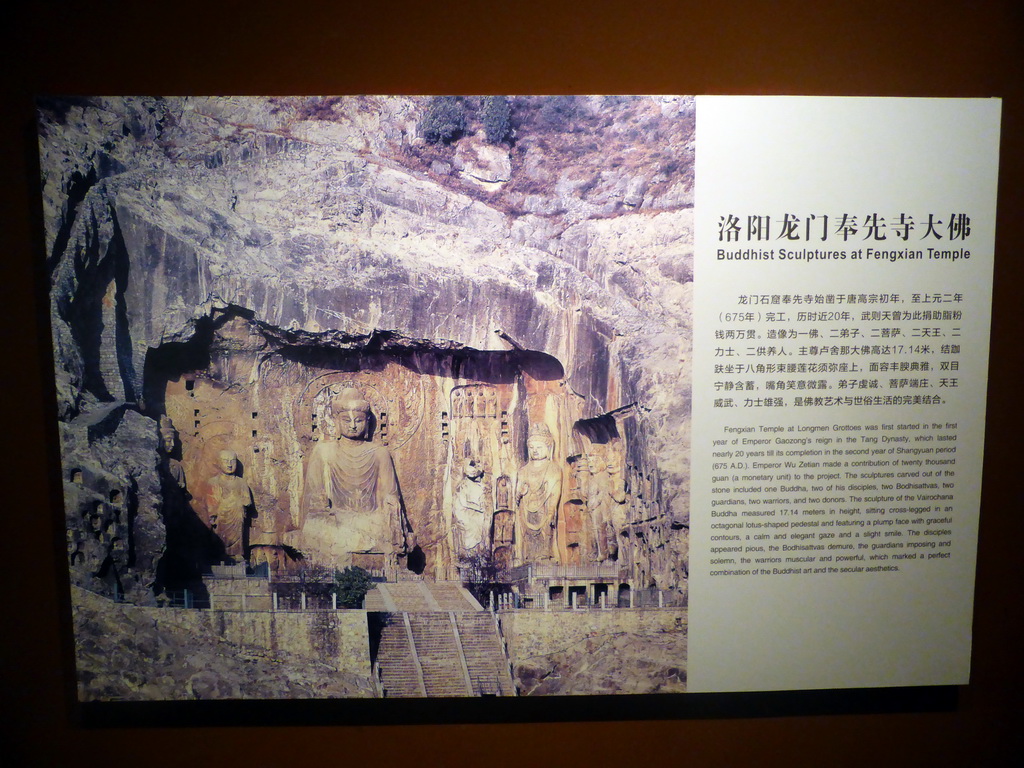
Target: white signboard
x=844 y=252
x=689 y=392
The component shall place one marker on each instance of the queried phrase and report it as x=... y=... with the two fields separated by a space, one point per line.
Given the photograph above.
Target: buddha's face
x=352 y=423
x=538 y=449
x=227 y=462
x=168 y=443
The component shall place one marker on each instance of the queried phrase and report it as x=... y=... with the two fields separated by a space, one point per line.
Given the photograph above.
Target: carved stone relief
x=395 y=401
x=504 y=523
x=506 y=473
x=538 y=491
x=471 y=517
x=168 y=446
x=229 y=504
x=475 y=456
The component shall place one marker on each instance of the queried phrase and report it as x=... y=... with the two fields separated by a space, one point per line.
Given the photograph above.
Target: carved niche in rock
x=98 y=533
x=272 y=397
x=602 y=488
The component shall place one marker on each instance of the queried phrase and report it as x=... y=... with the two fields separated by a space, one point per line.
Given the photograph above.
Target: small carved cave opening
x=624 y=593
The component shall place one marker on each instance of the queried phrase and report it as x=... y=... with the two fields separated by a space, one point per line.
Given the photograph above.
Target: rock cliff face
x=126 y=653
x=605 y=652
x=231 y=263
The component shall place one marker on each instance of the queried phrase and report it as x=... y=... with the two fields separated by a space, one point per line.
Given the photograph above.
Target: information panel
x=434 y=397
x=843 y=263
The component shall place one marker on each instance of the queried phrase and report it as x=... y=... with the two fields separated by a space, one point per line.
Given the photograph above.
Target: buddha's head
x=227 y=462
x=351 y=414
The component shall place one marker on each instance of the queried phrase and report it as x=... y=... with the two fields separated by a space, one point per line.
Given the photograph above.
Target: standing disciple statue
x=229 y=505
x=351 y=502
x=538 y=489
x=471 y=523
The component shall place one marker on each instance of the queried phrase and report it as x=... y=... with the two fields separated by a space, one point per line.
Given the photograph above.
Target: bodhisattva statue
x=168 y=439
x=471 y=524
x=229 y=505
x=351 y=502
x=538 y=489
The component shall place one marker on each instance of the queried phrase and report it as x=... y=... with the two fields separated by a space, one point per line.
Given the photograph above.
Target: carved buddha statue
x=351 y=501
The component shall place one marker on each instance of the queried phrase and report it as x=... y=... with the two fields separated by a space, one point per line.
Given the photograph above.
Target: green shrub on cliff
x=444 y=121
x=497 y=119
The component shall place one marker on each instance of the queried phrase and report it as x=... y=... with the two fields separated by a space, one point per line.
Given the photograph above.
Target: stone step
x=438 y=650
x=399 y=673
x=485 y=656
x=374 y=601
x=466 y=659
x=420 y=596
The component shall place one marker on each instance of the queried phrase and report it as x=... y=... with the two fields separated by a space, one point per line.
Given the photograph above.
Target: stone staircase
x=400 y=673
x=485 y=656
x=452 y=596
x=229 y=589
x=437 y=641
x=375 y=601
x=440 y=657
x=420 y=596
x=412 y=596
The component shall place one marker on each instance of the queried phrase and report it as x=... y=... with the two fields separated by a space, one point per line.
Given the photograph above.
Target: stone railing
x=589 y=572
x=579 y=601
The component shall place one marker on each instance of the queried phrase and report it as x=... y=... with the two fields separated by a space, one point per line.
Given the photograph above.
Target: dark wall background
x=858 y=47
